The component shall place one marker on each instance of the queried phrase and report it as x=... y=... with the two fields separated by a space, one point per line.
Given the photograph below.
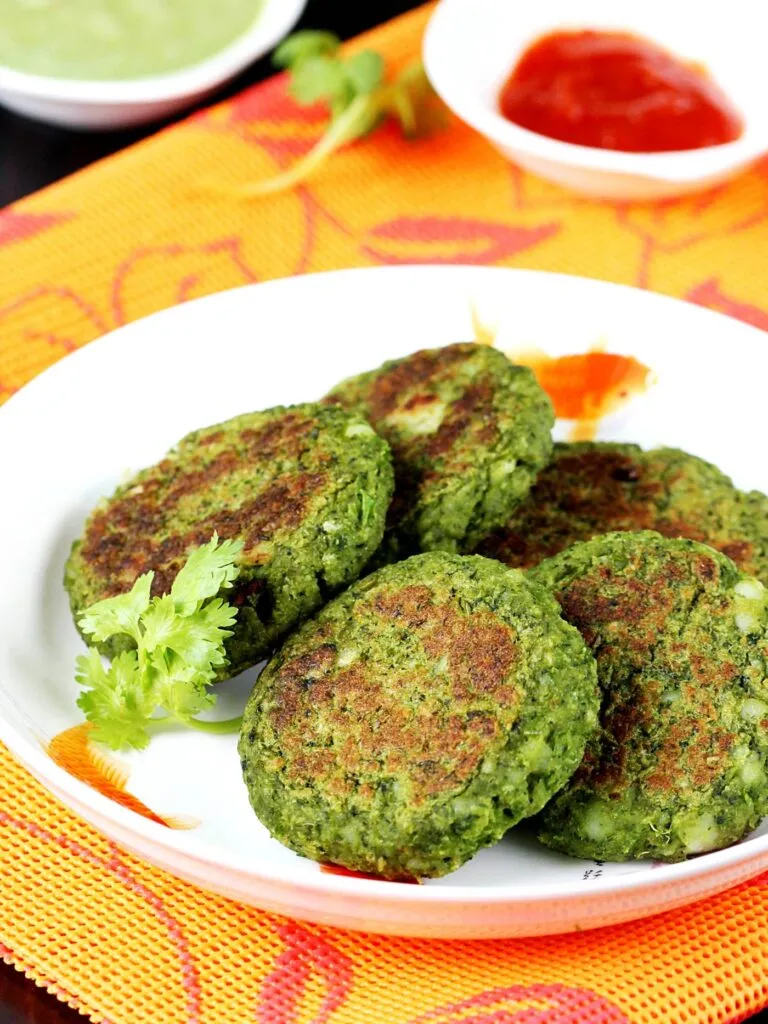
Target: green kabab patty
x=680 y=635
x=417 y=717
x=306 y=488
x=592 y=488
x=469 y=432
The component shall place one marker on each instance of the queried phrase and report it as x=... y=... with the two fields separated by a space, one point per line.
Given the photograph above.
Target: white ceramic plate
x=117 y=404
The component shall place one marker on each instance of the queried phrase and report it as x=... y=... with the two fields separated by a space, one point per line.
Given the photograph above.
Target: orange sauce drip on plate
x=73 y=751
x=587 y=387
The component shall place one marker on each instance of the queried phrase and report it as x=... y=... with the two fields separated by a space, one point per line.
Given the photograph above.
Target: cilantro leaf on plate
x=179 y=649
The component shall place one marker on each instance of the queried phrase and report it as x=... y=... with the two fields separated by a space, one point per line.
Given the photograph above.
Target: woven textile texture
x=129 y=944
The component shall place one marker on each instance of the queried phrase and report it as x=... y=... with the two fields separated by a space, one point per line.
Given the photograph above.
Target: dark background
x=33 y=155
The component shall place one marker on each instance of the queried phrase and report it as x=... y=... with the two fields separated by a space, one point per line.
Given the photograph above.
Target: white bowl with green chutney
x=114 y=63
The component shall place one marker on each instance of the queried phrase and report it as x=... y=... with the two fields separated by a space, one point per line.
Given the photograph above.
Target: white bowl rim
x=95 y=806
x=272 y=22
x=678 y=165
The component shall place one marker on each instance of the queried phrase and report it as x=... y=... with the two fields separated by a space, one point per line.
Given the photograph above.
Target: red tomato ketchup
x=613 y=90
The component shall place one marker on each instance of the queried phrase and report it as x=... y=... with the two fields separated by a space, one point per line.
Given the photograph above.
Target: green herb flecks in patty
x=592 y=488
x=304 y=488
x=469 y=432
x=681 y=641
x=417 y=717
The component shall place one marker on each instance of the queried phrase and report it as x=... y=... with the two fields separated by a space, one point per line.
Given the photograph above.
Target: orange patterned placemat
x=129 y=944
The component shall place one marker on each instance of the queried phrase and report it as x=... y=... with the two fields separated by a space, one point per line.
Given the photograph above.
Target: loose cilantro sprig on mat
x=179 y=649
x=358 y=96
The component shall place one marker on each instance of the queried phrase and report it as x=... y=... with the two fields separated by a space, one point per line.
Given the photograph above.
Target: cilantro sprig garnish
x=179 y=651
x=358 y=95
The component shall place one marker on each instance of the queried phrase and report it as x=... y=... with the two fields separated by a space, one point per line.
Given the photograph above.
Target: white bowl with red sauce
x=472 y=46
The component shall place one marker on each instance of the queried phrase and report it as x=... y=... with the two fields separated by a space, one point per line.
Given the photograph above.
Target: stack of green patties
x=614 y=684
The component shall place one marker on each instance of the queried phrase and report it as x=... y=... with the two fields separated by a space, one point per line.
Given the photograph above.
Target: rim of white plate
x=39 y=763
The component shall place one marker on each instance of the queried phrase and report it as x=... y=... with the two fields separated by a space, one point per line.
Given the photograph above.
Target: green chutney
x=118 y=39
